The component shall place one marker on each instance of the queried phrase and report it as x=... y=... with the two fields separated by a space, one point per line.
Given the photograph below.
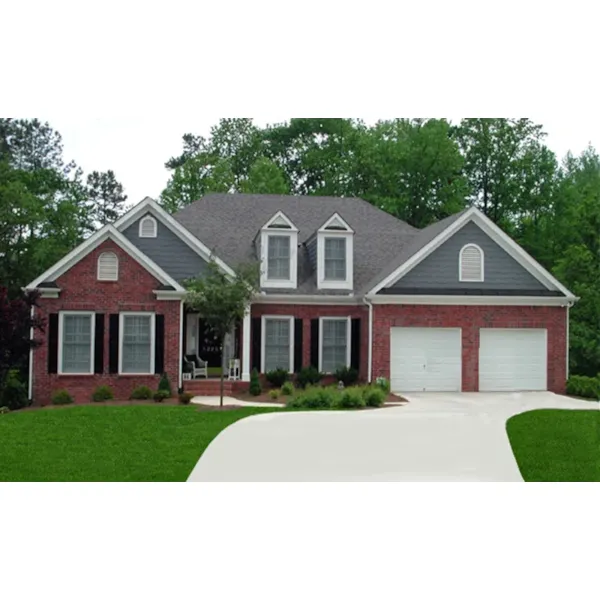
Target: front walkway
x=437 y=437
x=228 y=401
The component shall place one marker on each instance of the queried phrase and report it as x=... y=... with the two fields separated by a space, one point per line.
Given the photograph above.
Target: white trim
x=265 y=281
x=246 y=344
x=370 y=346
x=280 y=216
x=308 y=299
x=79 y=313
x=169 y=295
x=154 y=233
x=331 y=221
x=568 y=344
x=180 y=374
x=472 y=300
x=263 y=337
x=116 y=273
x=348 y=282
x=348 y=339
x=31 y=338
x=481 y=264
x=152 y=316
x=150 y=205
x=501 y=238
x=106 y=233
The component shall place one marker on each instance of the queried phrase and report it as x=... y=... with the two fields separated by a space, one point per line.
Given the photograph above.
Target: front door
x=208 y=345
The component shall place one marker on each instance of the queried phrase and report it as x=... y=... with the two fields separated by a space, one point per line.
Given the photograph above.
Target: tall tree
x=106 y=196
x=265 y=177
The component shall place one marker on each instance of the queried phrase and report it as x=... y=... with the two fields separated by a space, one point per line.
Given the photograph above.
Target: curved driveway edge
x=437 y=437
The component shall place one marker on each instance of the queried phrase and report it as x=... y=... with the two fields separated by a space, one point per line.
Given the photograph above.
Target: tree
x=265 y=177
x=15 y=328
x=223 y=300
x=105 y=196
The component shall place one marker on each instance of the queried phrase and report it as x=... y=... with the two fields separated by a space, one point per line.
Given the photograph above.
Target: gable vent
x=108 y=267
x=148 y=227
x=471 y=263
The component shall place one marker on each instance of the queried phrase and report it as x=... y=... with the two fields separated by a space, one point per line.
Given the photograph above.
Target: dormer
x=335 y=255
x=279 y=253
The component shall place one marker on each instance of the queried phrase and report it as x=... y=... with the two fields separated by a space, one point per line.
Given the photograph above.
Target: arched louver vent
x=471 y=263
x=148 y=227
x=108 y=267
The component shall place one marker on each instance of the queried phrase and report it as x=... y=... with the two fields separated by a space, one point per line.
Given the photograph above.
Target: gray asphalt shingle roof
x=229 y=223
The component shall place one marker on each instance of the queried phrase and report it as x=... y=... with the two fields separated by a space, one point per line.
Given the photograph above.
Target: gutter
x=370 y=346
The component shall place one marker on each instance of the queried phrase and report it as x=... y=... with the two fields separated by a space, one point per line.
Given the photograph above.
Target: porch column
x=246 y=346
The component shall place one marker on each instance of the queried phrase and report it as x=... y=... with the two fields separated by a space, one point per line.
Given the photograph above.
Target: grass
x=109 y=443
x=557 y=445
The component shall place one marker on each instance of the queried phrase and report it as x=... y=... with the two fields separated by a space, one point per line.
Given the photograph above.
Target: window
x=277 y=344
x=136 y=355
x=76 y=338
x=279 y=257
x=471 y=263
x=148 y=227
x=335 y=344
x=108 y=267
x=335 y=259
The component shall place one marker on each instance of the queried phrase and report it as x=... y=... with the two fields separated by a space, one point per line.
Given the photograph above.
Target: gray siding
x=168 y=252
x=311 y=247
x=440 y=269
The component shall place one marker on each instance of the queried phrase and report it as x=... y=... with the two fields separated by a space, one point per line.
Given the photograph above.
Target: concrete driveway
x=437 y=437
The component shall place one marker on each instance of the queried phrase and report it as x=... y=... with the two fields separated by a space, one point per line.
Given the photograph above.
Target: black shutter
x=355 y=344
x=314 y=343
x=297 y=345
x=53 y=343
x=99 y=345
x=159 y=348
x=256 y=343
x=113 y=344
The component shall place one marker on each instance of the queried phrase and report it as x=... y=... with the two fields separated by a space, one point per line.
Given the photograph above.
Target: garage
x=426 y=359
x=513 y=360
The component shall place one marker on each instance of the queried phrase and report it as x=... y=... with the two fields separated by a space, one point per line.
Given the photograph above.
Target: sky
x=136 y=148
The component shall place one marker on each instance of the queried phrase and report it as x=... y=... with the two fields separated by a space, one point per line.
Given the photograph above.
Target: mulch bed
x=247 y=397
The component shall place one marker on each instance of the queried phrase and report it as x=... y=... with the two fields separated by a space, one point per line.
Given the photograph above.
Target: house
x=456 y=306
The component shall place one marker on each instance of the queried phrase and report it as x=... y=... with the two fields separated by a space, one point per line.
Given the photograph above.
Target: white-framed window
x=277 y=344
x=148 y=227
x=335 y=255
x=334 y=343
x=76 y=330
x=108 y=267
x=471 y=264
x=136 y=343
x=279 y=253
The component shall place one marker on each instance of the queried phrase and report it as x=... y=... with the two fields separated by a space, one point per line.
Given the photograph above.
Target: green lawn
x=557 y=445
x=109 y=443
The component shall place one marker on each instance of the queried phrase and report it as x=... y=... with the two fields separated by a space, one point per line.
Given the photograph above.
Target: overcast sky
x=137 y=148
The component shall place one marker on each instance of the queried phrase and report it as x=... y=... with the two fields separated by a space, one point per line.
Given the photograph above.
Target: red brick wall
x=82 y=291
x=471 y=319
x=307 y=312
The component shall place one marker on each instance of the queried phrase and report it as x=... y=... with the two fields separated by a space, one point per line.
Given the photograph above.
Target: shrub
x=287 y=389
x=4 y=410
x=374 y=396
x=62 y=397
x=165 y=386
x=143 y=392
x=584 y=387
x=102 y=394
x=255 y=388
x=161 y=395
x=185 y=397
x=384 y=384
x=277 y=377
x=347 y=375
x=314 y=399
x=274 y=394
x=308 y=376
x=351 y=398
x=14 y=393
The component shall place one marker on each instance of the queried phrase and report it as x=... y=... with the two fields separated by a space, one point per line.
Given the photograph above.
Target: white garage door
x=513 y=360
x=425 y=359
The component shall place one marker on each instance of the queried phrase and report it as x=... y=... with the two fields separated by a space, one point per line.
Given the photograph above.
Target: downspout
x=370 y=346
x=31 y=338
x=569 y=304
x=180 y=375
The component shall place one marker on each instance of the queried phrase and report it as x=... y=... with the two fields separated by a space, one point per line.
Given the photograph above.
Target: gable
x=439 y=272
x=167 y=250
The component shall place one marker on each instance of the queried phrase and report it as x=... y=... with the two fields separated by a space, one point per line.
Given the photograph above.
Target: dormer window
x=471 y=264
x=108 y=267
x=279 y=253
x=335 y=255
x=148 y=227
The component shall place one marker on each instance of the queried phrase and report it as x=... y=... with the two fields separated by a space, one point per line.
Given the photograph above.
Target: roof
x=229 y=223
